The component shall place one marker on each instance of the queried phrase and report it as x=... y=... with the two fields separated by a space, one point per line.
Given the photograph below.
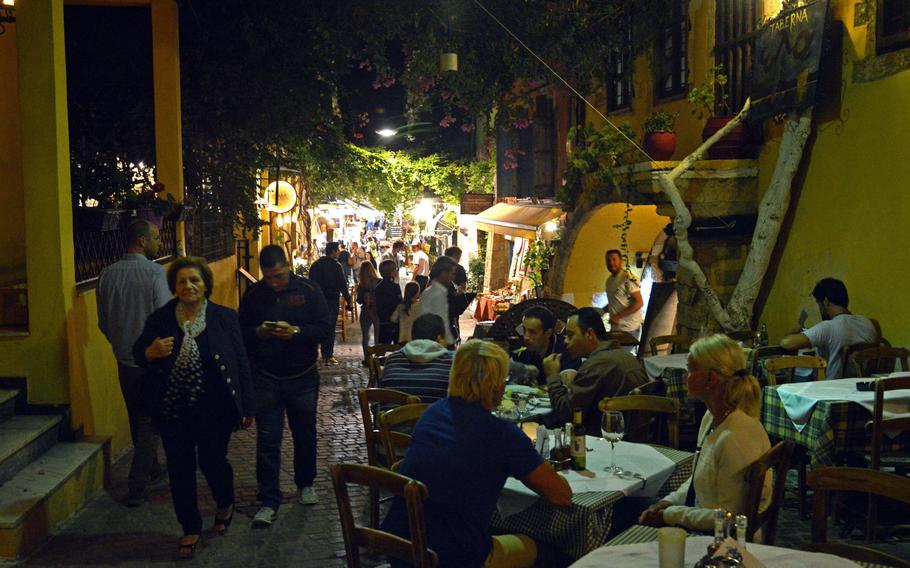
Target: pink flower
x=521 y=123
x=376 y=84
x=447 y=121
x=388 y=81
x=467 y=127
x=365 y=64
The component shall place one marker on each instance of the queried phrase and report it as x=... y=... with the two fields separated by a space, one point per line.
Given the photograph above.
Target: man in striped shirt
x=423 y=365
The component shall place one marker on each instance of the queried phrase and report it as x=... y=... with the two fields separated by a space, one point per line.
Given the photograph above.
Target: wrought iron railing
x=96 y=249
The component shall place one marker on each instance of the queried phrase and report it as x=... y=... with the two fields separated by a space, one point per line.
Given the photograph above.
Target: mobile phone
x=270 y=323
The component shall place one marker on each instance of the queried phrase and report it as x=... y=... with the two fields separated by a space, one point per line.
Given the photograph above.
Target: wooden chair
x=341 y=325
x=777 y=459
x=791 y=363
x=759 y=354
x=827 y=480
x=668 y=407
x=375 y=360
x=677 y=343
x=370 y=401
x=652 y=388
x=875 y=360
x=748 y=338
x=383 y=349
x=355 y=310
x=413 y=492
x=878 y=459
x=391 y=423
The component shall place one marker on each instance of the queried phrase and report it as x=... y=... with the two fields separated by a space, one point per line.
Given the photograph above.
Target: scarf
x=186 y=384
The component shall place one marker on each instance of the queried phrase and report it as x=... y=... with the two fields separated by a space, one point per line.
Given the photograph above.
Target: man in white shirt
x=421 y=263
x=435 y=299
x=838 y=329
x=623 y=295
x=394 y=254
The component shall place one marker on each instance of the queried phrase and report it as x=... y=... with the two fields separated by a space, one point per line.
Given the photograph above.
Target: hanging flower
x=447 y=121
x=467 y=127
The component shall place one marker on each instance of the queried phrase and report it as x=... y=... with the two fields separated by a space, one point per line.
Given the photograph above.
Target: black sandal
x=186 y=550
x=222 y=523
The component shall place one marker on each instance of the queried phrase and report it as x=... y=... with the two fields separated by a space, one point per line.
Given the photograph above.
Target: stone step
x=24 y=438
x=46 y=493
x=8 y=403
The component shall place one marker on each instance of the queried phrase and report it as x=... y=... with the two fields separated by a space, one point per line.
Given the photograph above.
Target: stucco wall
x=12 y=251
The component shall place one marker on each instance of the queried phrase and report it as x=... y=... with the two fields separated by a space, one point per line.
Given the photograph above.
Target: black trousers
x=145 y=440
x=424 y=281
x=182 y=446
x=328 y=346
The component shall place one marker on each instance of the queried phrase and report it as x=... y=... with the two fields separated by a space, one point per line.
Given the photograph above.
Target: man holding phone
x=284 y=317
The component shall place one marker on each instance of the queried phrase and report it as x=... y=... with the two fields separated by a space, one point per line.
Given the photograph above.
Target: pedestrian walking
x=421 y=262
x=344 y=259
x=128 y=292
x=284 y=317
x=327 y=274
x=366 y=297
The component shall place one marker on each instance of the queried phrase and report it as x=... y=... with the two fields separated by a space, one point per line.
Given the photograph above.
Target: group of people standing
x=192 y=372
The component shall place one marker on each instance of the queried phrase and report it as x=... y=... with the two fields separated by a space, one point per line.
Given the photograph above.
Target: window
x=893 y=25
x=672 y=42
x=736 y=21
x=619 y=75
x=543 y=147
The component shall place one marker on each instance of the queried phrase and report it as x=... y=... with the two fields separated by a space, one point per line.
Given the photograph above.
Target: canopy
x=516 y=219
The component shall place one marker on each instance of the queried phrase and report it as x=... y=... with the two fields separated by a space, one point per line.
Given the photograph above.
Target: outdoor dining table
x=829 y=417
x=645 y=554
x=657 y=364
x=582 y=527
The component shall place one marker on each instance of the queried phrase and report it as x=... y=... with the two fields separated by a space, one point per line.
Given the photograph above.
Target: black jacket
x=300 y=303
x=388 y=296
x=225 y=343
x=327 y=274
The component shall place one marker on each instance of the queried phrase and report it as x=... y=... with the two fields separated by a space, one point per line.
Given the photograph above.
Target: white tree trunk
x=774 y=206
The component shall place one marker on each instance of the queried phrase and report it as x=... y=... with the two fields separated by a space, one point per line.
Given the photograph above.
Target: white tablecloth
x=645 y=555
x=652 y=469
x=799 y=399
x=655 y=365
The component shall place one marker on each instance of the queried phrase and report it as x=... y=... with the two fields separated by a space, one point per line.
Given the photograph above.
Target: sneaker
x=331 y=361
x=265 y=517
x=307 y=496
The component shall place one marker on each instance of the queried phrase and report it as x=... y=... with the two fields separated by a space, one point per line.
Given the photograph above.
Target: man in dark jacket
x=283 y=318
x=388 y=296
x=327 y=273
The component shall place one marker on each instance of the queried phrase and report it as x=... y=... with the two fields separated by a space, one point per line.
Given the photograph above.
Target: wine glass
x=612 y=427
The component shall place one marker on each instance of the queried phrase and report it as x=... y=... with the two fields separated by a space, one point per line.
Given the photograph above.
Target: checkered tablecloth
x=581 y=528
x=835 y=428
x=674 y=381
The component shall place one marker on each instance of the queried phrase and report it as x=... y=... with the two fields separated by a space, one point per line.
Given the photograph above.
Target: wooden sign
x=475 y=203
x=786 y=60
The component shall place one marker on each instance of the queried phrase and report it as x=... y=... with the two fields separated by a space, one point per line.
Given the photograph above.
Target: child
x=407 y=311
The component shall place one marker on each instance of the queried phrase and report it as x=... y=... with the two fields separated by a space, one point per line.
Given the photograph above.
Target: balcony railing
x=96 y=249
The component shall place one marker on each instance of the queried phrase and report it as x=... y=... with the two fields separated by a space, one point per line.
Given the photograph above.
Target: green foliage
x=477 y=268
x=596 y=151
x=702 y=96
x=537 y=261
x=660 y=121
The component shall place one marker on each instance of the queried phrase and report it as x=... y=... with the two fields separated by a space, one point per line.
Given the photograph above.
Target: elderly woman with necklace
x=730 y=439
x=200 y=390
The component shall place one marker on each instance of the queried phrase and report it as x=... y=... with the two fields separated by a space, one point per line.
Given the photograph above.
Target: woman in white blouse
x=730 y=439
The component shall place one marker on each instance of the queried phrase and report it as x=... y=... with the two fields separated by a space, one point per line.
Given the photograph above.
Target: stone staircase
x=43 y=481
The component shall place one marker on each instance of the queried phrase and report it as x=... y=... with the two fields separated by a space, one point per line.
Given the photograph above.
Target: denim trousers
x=297 y=398
x=145 y=441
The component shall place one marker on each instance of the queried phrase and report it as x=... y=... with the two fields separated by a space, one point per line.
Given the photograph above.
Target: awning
x=516 y=219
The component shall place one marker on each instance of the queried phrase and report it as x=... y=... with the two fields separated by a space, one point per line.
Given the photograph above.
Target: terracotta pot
x=660 y=145
x=733 y=146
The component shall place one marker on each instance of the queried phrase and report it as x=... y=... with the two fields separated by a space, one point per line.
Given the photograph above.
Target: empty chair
x=677 y=343
x=778 y=460
x=827 y=480
x=879 y=425
x=875 y=360
x=370 y=401
x=391 y=423
x=790 y=364
x=666 y=407
x=413 y=492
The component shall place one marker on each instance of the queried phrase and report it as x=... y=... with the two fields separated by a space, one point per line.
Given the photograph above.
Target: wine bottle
x=579 y=451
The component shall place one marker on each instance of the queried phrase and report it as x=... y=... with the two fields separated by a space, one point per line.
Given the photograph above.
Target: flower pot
x=660 y=145
x=735 y=145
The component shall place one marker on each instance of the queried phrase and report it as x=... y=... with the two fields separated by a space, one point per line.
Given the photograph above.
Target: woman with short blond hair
x=464 y=455
x=730 y=439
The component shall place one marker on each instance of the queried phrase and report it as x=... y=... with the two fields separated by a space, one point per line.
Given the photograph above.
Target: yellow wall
x=225 y=289
x=586 y=271
x=12 y=253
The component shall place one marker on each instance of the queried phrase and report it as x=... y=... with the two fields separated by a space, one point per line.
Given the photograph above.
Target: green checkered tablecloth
x=579 y=529
x=675 y=386
x=834 y=429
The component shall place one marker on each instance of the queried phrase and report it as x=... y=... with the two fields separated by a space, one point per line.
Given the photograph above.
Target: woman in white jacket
x=435 y=299
x=730 y=439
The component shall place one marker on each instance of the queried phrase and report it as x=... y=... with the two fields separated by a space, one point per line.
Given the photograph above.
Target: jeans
x=367 y=322
x=328 y=346
x=181 y=446
x=298 y=397
x=145 y=440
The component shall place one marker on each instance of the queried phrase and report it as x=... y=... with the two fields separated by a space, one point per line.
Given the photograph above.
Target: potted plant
x=537 y=263
x=660 y=134
x=704 y=99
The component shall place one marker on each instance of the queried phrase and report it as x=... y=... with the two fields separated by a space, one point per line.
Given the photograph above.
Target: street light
x=386 y=132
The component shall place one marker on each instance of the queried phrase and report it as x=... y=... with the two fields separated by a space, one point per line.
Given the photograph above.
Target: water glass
x=612 y=427
x=522 y=405
x=671 y=547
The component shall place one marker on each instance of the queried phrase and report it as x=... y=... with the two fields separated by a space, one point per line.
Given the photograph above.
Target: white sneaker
x=307 y=496
x=265 y=517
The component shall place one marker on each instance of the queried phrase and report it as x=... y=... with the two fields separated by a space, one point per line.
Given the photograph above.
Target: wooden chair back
x=391 y=423
x=341 y=325
x=850 y=368
x=878 y=423
x=747 y=337
x=375 y=360
x=790 y=364
x=677 y=343
x=383 y=349
x=874 y=360
x=413 y=492
x=662 y=405
x=778 y=460
x=827 y=480
x=759 y=354
x=652 y=388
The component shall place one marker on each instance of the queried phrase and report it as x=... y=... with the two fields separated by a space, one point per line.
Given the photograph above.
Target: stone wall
x=722 y=262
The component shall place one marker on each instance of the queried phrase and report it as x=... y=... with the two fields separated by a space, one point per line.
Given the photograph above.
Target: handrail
x=246 y=275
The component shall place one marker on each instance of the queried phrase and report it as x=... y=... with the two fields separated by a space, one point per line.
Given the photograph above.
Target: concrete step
x=8 y=403
x=24 y=438
x=47 y=492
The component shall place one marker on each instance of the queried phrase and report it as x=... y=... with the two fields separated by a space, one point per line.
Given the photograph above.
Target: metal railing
x=95 y=250
x=210 y=237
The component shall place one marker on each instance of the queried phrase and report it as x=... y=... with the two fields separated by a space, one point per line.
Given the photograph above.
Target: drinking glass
x=522 y=405
x=612 y=427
